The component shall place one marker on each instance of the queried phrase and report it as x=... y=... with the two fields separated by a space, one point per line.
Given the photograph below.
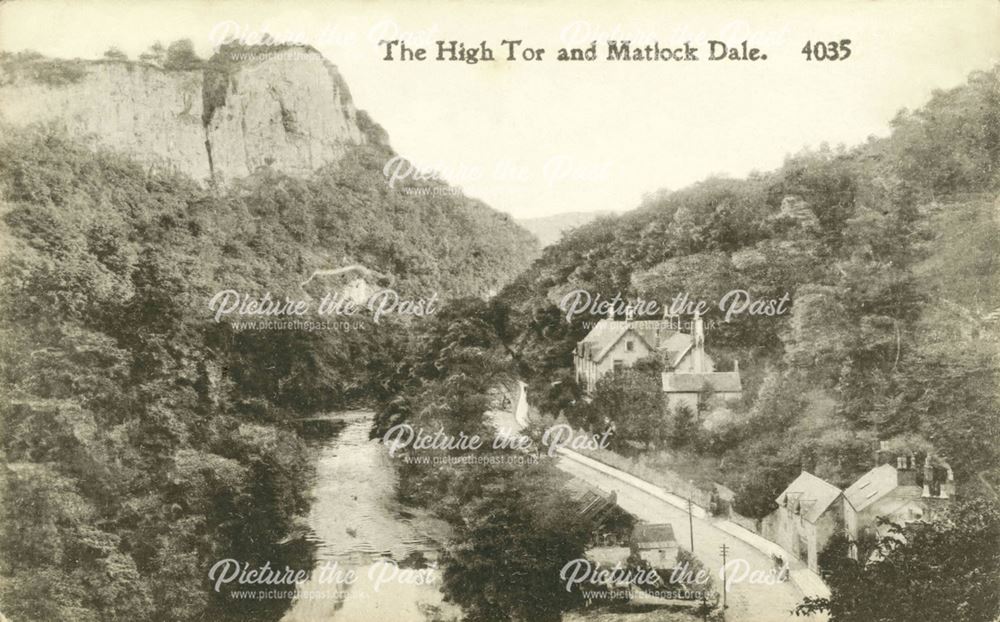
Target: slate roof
x=606 y=333
x=872 y=486
x=719 y=381
x=814 y=495
x=649 y=534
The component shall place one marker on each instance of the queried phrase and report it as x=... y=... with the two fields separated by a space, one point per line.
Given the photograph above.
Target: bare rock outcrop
x=288 y=109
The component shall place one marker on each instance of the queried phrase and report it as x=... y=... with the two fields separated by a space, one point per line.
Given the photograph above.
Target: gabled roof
x=812 y=494
x=719 y=381
x=606 y=333
x=676 y=345
x=645 y=533
x=654 y=333
x=872 y=486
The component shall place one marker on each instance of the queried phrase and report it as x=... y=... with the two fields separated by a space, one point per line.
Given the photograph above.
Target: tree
x=156 y=54
x=180 y=56
x=113 y=53
x=514 y=539
x=944 y=570
x=632 y=400
x=684 y=426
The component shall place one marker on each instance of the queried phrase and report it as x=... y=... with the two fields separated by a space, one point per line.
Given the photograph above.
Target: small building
x=809 y=512
x=693 y=375
x=656 y=544
x=895 y=492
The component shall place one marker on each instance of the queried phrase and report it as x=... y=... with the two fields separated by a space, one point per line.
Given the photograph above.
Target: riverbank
x=358 y=526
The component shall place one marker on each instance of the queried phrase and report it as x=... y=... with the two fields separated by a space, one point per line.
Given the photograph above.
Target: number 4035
x=827 y=50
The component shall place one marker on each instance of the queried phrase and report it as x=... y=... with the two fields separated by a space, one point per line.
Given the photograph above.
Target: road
x=748 y=601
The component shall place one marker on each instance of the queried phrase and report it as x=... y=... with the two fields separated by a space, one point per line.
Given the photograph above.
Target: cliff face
x=288 y=109
x=291 y=111
x=143 y=111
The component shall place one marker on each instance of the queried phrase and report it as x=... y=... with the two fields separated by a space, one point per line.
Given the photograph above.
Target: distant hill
x=549 y=229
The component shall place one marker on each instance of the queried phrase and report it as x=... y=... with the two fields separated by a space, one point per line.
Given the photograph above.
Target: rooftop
x=606 y=333
x=645 y=533
x=872 y=486
x=719 y=381
x=813 y=495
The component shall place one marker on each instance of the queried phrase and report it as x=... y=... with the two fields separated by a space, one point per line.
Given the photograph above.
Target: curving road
x=760 y=601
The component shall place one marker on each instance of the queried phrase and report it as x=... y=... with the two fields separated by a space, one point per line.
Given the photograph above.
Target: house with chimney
x=899 y=492
x=616 y=344
x=612 y=345
x=692 y=372
x=811 y=510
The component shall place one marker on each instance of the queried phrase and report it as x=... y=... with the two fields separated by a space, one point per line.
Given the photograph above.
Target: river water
x=357 y=525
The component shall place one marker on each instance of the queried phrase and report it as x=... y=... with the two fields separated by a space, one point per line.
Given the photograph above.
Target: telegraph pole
x=690 y=518
x=690 y=522
x=725 y=549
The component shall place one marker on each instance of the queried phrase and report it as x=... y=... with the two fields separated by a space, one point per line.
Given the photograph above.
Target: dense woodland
x=142 y=440
x=888 y=251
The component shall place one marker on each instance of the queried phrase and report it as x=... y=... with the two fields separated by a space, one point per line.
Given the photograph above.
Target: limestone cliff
x=288 y=109
x=291 y=111
x=138 y=109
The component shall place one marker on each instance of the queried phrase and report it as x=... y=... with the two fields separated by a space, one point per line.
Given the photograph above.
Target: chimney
x=906 y=473
x=611 y=312
x=736 y=365
x=698 y=335
x=948 y=487
x=928 y=476
x=629 y=313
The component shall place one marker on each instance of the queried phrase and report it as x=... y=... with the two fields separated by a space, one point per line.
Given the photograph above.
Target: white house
x=809 y=512
x=616 y=344
x=692 y=372
x=610 y=345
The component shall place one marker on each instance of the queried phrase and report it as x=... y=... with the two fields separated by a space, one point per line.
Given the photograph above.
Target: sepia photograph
x=481 y=311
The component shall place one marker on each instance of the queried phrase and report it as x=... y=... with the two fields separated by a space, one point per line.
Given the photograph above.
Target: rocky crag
x=286 y=108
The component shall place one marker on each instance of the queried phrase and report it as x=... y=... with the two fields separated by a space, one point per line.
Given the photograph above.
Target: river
x=357 y=525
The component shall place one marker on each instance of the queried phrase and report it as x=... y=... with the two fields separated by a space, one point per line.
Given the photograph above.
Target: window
x=618 y=365
x=630 y=345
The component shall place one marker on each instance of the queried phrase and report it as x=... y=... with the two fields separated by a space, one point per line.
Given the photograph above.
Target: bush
x=180 y=56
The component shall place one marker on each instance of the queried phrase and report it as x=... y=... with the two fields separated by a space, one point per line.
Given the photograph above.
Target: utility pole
x=690 y=522
x=725 y=588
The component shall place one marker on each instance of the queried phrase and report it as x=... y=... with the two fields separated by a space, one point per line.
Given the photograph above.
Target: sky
x=539 y=137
